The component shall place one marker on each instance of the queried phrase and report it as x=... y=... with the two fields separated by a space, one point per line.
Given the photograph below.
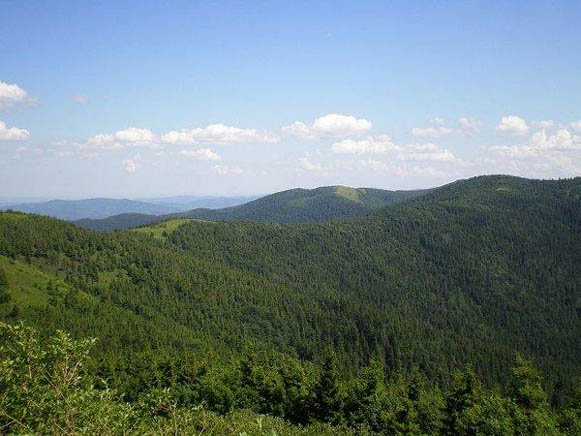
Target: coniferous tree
x=328 y=396
x=4 y=295
x=531 y=414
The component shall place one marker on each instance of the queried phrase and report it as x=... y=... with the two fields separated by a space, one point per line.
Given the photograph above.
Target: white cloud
x=12 y=95
x=202 y=154
x=130 y=137
x=433 y=132
x=370 y=145
x=133 y=134
x=12 y=133
x=469 y=124
x=218 y=134
x=576 y=125
x=329 y=126
x=561 y=140
x=513 y=125
x=81 y=99
x=374 y=164
x=225 y=170
x=543 y=124
x=427 y=152
x=308 y=165
x=543 y=155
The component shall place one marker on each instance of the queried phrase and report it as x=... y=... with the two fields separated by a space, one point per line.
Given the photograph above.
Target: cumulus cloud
x=543 y=124
x=224 y=170
x=12 y=95
x=306 y=164
x=12 y=133
x=218 y=134
x=133 y=134
x=576 y=125
x=513 y=125
x=467 y=125
x=374 y=164
x=433 y=132
x=130 y=137
x=427 y=152
x=543 y=155
x=370 y=145
x=561 y=140
x=329 y=126
x=540 y=144
x=201 y=154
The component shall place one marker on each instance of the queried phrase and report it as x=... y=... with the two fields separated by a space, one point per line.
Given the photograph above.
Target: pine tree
x=531 y=413
x=328 y=401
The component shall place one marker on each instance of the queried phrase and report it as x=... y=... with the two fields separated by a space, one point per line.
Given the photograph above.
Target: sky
x=153 y=98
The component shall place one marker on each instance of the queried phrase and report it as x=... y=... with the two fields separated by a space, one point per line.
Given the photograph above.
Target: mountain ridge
x=292 y=205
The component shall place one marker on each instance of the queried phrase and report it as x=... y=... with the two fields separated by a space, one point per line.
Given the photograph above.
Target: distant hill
x=91 y=208
x=100 y=208
x=122 y=221
x=189 y=202
x=292 y=206
x=308 y=205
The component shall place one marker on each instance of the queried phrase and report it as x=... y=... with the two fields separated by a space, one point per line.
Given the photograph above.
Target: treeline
x=46 y=388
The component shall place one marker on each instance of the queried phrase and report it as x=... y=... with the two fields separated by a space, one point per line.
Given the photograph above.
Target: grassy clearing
x=348 y=193
x=29 y=286
x=160 y=230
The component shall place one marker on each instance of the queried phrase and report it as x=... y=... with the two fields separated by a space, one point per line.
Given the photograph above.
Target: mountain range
x=99 y=208
x=292 y=206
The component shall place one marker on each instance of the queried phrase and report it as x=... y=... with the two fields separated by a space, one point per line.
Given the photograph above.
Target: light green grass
x=158 y=229
x=28 y=285
x=348 y=193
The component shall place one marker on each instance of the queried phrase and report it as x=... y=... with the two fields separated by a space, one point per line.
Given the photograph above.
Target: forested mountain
x=307 y=205
x=292 y=206
x=281 y=318
x=121 y=221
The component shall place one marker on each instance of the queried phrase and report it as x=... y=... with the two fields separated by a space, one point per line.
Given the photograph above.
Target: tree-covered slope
x=308 y=205
x=122 y=221
x=292 y=206
x=473 y=271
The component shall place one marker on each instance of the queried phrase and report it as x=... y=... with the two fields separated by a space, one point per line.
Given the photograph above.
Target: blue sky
x=143 y=98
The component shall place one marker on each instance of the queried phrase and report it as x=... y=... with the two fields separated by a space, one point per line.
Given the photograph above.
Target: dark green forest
x=292 y=206
x=454 y=313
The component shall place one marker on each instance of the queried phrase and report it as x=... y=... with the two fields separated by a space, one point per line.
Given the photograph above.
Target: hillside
x=308 y=205
x=121 y=221
x=471 y=272
x=292 y=206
